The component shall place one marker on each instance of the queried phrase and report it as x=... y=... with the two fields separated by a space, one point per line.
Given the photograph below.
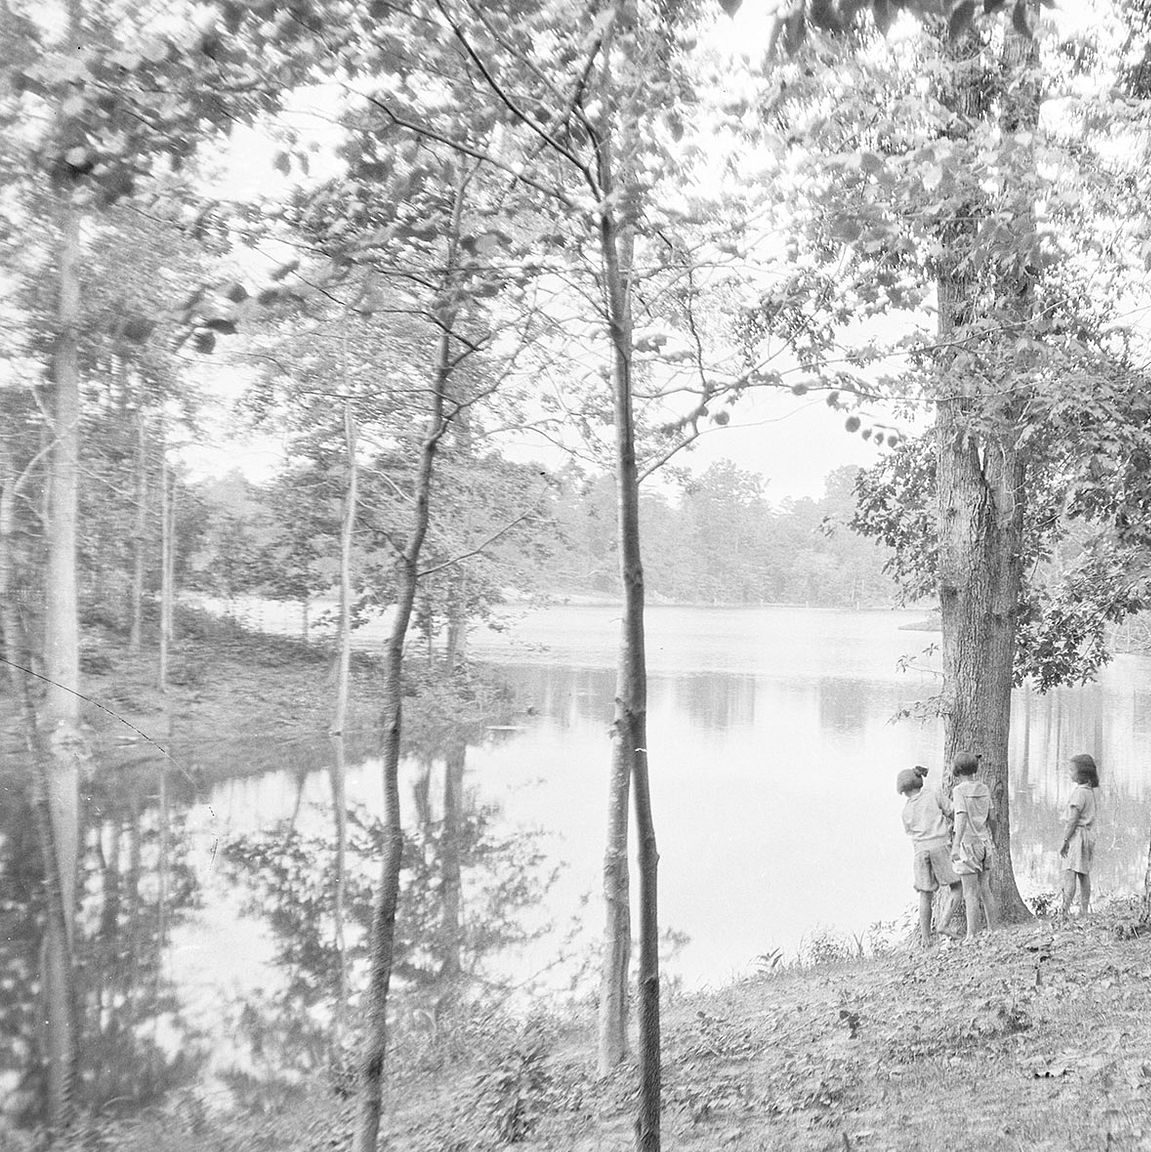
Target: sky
x=794 y=442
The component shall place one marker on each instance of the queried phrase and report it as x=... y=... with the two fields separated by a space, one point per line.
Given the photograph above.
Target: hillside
x=1035 y=1037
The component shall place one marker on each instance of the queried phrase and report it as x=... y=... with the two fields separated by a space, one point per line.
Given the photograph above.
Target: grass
x=1033 y=1037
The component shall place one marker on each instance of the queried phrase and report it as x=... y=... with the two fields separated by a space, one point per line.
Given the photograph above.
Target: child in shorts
x=1078 y=848
x=926 y=820
x=972 y=851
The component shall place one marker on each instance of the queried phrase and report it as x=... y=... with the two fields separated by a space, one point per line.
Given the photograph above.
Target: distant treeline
x=715 y=538
x=721 y=540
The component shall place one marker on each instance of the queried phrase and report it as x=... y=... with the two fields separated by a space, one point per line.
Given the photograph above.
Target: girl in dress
x=1079 y=833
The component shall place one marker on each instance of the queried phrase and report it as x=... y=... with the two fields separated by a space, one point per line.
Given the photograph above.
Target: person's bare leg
x=925 y=899
x=1084 y=893
x=1068 y=889
x=990 y=907
x=948 y=902
x=971 y=901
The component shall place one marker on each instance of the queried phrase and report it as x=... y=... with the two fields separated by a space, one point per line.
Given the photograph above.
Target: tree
x=949 y=195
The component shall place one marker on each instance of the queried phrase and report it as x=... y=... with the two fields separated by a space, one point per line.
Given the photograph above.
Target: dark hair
x=966 y=763
x=920 y=771
x=1086 y=771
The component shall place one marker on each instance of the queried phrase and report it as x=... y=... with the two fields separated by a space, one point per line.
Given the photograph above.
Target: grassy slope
x=226 y=682
x=1035 y=1037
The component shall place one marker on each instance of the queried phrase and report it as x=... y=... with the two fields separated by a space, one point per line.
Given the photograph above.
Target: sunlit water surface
x=774 y=744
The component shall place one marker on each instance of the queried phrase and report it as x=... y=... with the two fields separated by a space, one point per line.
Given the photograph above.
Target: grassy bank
x=224 y=681
x=1037 y=1037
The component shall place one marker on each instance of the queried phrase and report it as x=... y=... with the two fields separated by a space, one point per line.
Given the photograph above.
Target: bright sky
x=793 y=441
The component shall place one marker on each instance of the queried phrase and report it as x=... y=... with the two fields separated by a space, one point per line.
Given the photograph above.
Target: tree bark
x=629 y=730
x=382 y=943
x=347 y=537
x=139 y=534
x=339 y=776
x=451 y=880
x=981 y=493
x=66 y=744
x=165 y=572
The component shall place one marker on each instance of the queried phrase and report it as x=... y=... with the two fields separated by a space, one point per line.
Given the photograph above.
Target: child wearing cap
x=925 y=819
x=972 y=851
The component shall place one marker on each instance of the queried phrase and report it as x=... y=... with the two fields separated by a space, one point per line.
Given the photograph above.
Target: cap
x=909 y=779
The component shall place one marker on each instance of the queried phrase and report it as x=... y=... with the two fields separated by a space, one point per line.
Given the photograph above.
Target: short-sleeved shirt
x=974 y=798
x=1081 y=806
x=925 y=819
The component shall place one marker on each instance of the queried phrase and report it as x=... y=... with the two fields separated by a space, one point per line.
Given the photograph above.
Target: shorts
x=1080 y=852
x=974 y=856
x=932 y=867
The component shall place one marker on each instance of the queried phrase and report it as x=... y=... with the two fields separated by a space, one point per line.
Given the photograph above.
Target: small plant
x=1043 y=904
x=767 y=963
x=512 y=1094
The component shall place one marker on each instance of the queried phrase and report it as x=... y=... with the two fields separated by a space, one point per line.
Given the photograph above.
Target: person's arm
x=1076 y=806
x=960 y=828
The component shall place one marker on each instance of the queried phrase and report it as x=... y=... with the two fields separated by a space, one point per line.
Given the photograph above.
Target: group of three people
x=952 y=841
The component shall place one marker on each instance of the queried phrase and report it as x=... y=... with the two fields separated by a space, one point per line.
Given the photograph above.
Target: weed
x=513 y=1094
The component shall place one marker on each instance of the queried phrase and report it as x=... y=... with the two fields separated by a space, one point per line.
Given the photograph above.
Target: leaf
x=961 y=17
x=204 y=341
x=932 y=177
x=282 y=163
x=221 y=324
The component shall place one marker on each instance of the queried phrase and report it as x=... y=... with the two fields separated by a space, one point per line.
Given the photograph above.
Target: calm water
x=773 y=748
x=207 y=953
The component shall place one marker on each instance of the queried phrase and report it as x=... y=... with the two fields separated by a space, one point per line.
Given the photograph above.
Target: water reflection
x=135 y=1044
x=772 y=773
x=1107 y=720
x=468 y=887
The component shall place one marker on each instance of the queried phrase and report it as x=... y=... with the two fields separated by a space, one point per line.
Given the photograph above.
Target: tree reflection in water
x=134 y=1045
x=469 y=891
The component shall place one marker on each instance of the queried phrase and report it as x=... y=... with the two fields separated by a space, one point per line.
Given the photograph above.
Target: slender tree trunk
x=339 y=777
x=382 y=943
x=165 y=591
x=347 y=536
x=62 y=671
x=451 y=885
x=139 y=534
x=629 y=753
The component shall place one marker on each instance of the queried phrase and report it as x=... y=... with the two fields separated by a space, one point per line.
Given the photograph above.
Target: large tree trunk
x=981 y=481
x=980 y=577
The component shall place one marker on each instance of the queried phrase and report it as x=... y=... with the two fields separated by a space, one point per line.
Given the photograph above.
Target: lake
x=209 y=951
x=773 y=745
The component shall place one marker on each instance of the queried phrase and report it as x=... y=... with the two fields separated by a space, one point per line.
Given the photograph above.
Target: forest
x=401 y=241
x=716 y=540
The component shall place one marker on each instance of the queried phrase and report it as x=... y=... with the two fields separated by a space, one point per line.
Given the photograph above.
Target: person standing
x=926 y=819
x=1078 y=850
x=972 y=851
